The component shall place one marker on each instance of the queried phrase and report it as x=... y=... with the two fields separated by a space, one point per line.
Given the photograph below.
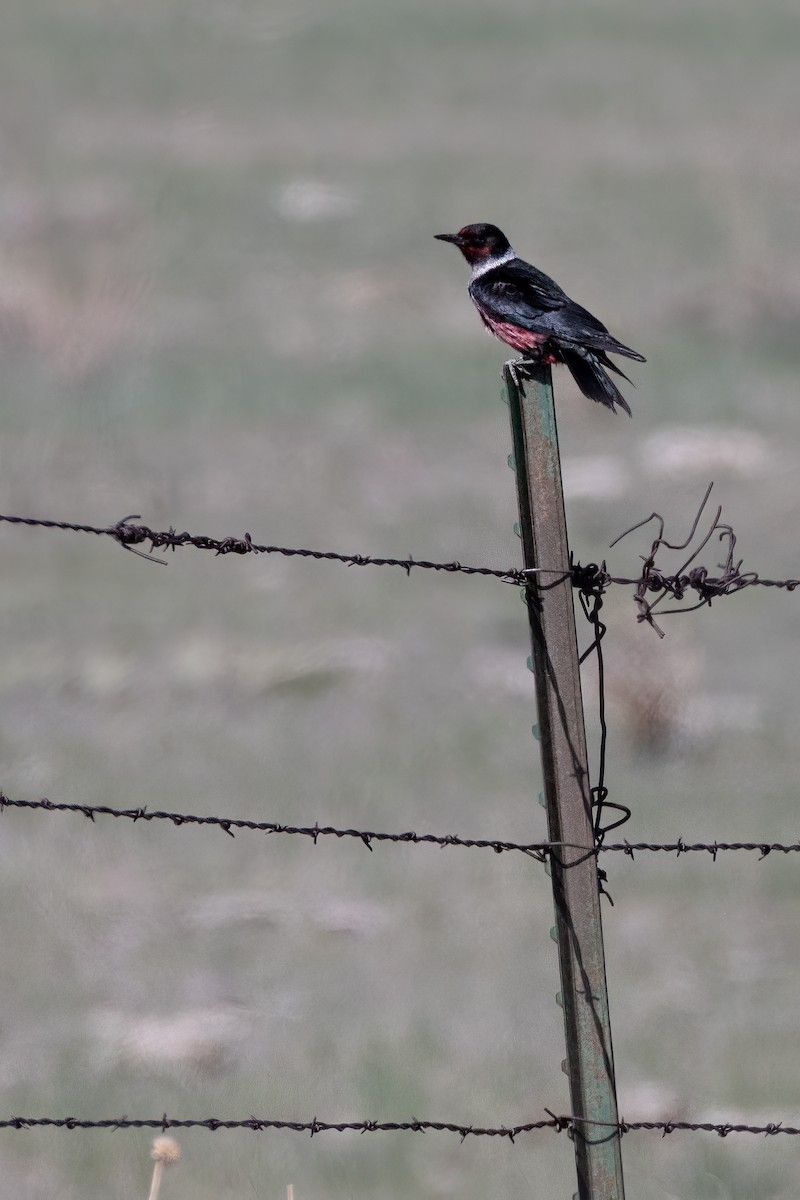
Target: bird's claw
x=520 y=369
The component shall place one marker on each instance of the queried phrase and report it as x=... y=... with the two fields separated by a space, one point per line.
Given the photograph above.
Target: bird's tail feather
x=593 y=380
x=611 y=366
x=611 y=344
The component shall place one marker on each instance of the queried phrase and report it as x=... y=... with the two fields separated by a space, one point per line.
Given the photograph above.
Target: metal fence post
x=589 y=1063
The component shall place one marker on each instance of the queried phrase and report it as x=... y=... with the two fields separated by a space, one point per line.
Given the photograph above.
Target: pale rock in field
x=594 y=477
x=649 y=1100
x=203 y=1038
x=705 y=450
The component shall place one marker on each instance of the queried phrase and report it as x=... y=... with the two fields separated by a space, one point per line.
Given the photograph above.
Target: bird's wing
x=574 y=324
x=518 y=293
x=532 y=301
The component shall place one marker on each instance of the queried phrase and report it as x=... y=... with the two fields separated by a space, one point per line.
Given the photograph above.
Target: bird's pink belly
x=519 y=339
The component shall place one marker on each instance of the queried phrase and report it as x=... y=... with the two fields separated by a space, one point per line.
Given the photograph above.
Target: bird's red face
x=478 y=243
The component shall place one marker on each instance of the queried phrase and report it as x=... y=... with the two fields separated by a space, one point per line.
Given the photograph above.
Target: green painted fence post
x=562 y=737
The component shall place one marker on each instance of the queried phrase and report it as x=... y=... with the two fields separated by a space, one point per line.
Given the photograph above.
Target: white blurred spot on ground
x=707 y=715
x=312 y=200
x=651 y=1101
x=594 y=477
x=700 y=449
x=500 y=672
x=199 y=1038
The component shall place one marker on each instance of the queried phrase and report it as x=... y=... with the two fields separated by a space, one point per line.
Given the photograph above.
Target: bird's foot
x=520 y=370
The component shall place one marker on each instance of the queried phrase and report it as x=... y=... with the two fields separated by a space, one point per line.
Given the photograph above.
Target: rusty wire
x=555 y=1123
x=689 y=578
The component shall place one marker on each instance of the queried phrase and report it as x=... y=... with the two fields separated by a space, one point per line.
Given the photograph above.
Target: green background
x=221 y=307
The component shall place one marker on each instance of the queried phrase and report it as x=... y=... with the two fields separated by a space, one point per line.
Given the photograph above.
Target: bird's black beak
x=455 y=238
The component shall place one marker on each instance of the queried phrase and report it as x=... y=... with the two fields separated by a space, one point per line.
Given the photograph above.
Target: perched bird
x=529 y=312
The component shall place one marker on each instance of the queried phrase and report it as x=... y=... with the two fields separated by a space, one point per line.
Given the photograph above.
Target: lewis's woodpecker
x=529 y=312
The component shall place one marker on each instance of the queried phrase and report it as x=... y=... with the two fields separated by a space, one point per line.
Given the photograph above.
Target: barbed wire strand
x=554 y=1122
x=316 y=831
x=537 y=850
x=129 y=535
x=698 y=580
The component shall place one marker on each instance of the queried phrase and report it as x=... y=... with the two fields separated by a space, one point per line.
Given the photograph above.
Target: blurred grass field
x=221 y=307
